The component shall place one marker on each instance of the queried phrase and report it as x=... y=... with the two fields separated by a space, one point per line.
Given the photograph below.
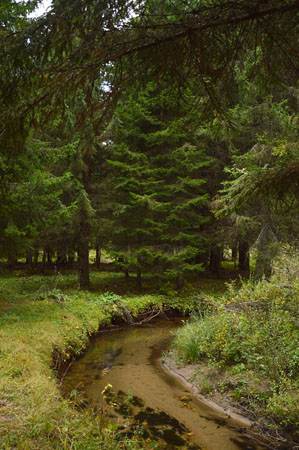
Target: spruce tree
x=157 y=185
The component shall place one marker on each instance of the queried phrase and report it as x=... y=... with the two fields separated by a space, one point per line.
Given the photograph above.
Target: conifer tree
x=157 y=184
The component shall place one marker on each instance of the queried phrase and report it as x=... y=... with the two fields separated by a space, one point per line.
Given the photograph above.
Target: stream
x=147 y=398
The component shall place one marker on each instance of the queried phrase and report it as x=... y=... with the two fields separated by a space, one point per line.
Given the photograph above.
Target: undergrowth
x=252 y=334
x=36 y=324
x=44 y=322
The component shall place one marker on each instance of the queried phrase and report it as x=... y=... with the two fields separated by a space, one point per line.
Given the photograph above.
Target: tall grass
x=255 y=331
x=34 y=325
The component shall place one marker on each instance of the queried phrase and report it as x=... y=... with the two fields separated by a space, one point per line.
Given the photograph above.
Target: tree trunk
x=202 y=258
x=127 y=274
x=244 y=256
x=49 y=256
x=44 y=258
x=215 y=260
x=36 y=255
x=179 y=282
x=29 y=257
x=61 y=257
x=98 y=256
x=11 y=259
x=139 y=278
x=234 y=256
x=71 y=257
x=84 y=211
x=84 y=281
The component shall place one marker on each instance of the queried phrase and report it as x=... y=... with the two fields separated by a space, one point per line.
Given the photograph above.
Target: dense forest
x=149 y=154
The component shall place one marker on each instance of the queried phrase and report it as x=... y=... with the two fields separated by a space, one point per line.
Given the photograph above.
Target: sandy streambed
x=148 y=399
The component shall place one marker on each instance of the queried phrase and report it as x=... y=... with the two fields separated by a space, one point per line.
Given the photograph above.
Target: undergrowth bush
x=256 y=327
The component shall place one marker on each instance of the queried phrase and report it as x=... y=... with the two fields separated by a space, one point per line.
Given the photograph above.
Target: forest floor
x=241 y=351
x=217 y=387
x=45 y=321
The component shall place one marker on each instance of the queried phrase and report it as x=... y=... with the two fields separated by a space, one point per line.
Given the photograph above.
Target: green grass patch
x=44 y=321
x=252 y=335
x=37 y=321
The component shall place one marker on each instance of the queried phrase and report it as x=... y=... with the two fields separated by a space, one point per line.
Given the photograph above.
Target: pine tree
x=157 y=185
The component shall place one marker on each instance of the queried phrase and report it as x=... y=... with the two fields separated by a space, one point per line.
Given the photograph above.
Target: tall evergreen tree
x=262 y=193
x=157 y=184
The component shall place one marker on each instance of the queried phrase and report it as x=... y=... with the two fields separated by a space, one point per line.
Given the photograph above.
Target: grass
x=30 y=280
x=33 y=327
x=46 y=321
x=250 y=337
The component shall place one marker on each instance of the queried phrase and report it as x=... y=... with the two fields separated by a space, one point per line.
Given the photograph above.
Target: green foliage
x=255 y=330
x=33 y=199
x=259 y=201
x=54 y=294
x=140 y=186
x=37 y=329
x=33 y=335
x=264 y=147
x=157 y=185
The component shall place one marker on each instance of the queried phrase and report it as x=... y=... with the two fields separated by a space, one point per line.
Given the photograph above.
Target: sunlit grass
x=45 y=320
x=251 y=333
x=33 y=413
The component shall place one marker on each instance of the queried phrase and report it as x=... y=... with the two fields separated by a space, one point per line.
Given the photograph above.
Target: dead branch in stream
x=272 y=442
x=65 y=372
x=153 y=314
x=124 y=314
x=127 y=317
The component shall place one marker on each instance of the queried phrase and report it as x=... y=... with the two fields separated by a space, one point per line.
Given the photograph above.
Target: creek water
x=147 y=398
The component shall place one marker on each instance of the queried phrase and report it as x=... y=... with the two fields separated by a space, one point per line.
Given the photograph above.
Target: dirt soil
x=204 y=380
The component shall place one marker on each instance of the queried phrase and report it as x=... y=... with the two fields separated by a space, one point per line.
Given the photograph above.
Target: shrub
x=256 y=328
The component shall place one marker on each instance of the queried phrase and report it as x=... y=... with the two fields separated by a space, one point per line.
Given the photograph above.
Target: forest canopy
x=149 y=169
x=163 y=132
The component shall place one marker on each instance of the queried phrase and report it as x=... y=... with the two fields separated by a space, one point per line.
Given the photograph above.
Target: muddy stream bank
x=149 y=399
